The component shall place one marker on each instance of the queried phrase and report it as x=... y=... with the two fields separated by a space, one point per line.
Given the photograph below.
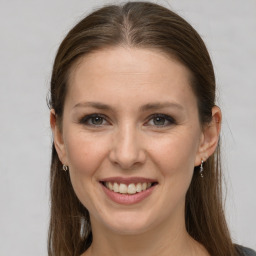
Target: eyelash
x=86 y=119
x=169 y=119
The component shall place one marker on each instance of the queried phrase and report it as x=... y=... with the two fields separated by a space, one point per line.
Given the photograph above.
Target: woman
x=135 y=159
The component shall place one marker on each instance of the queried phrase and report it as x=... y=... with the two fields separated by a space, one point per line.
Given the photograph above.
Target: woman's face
x=131 y=138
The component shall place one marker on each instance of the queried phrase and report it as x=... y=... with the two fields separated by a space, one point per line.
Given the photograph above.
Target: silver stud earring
x=65 y=167
x=201 y=169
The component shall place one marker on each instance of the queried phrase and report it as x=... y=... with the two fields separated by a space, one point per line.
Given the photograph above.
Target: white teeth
x=130 y=189
x=115 y=187
x=144 y=186
x=123 y=189
x=109 y=185
x=138 y=187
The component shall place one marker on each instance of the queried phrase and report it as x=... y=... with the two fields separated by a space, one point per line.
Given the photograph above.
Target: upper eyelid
x=167 y=117
x=88 y=117
x=161 y=115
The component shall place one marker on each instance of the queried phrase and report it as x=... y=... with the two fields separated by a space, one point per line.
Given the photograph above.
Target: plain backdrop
x=30 y=32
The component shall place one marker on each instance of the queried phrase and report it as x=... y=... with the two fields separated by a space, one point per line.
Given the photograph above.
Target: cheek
x=83 y=152
x=174 y=157
x=176 y=153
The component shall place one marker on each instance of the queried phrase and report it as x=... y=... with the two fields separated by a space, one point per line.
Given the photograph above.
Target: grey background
x=30 y=32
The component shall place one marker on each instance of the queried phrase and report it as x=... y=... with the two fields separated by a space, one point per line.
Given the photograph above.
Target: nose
x=127 y=150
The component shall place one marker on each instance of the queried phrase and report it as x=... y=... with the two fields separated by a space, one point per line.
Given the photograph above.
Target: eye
x=161 y=120
x=94 y=120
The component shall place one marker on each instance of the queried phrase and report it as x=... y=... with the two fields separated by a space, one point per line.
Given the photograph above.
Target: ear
x=57 y=138
x=210 y=137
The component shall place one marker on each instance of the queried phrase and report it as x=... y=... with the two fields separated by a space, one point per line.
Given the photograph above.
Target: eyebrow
x=149 y=106
x=97 y=105
x=160 y=105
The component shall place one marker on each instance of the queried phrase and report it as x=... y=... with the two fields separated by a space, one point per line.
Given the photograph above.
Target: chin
x=129 y=223
x=128 y=229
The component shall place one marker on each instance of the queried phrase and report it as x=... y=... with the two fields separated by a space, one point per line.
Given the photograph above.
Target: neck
x=160 y=241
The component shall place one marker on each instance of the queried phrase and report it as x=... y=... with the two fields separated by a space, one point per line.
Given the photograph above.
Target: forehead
x=121 y=74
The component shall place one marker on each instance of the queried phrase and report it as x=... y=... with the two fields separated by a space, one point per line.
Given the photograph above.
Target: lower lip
x=128 y=199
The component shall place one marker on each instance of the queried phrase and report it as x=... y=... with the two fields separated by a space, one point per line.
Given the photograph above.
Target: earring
x=65 y=167
x=201 y=169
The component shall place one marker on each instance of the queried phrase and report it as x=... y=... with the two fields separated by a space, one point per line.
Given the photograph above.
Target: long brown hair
x=140 y=25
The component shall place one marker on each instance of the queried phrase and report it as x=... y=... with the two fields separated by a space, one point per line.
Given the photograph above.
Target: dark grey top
x=247 y=251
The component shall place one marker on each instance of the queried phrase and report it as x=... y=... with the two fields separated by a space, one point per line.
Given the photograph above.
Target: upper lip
x=128 y=180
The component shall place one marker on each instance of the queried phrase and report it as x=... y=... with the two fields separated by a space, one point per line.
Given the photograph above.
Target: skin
x=129 y=142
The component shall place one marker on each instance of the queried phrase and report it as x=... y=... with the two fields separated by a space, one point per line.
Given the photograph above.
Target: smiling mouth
x=129 y=189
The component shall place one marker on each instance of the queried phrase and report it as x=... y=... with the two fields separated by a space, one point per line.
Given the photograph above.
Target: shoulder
x=244 y=251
